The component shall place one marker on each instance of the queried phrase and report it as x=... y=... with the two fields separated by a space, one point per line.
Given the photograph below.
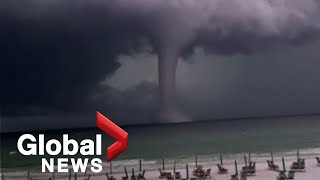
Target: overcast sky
x=61 y=63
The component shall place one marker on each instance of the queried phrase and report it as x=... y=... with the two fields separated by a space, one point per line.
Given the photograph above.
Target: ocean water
x=181 y=142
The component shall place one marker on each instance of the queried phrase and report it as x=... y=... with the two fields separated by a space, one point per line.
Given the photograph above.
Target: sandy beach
x=262 y=173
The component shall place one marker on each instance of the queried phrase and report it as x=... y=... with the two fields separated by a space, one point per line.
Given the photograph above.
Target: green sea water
x=181 y=142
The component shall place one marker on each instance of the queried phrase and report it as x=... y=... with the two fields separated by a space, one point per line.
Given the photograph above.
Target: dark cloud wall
x=54 y=54
x=54 y=57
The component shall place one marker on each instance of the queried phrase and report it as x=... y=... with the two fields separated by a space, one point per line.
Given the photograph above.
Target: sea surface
x=182 y=142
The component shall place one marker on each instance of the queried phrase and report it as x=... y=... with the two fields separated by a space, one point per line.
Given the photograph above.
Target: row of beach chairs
x=298 y=166
x=201 y=173
x=133 y=176
x=243 y=176
x=169 y=175
x=283 y=176
x=250 y=170
x=246 y=171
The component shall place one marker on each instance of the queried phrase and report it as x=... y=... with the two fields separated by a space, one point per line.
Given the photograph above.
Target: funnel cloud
x=174 y=26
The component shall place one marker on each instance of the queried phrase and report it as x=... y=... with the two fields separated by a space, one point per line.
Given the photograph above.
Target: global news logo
x=29 y=145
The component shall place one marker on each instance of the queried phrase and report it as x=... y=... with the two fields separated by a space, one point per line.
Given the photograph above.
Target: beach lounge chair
x=275 y=167
x=110 y=177
x=162 y=174
x=243 y=176
x=294 y=166
x=169 y=176
x=87 y=178
x=126 y=174
x=133 y=177
x=302 y=166
x=291 y=175
x=207 y=174
x=197 y=170
x=298 y=166
x=177 y=175
x=222 y=170
x=234 y=177
x=282 y=175
x=252 y=170
x=272 y=166
x=141 y=175
x=244 y=168
x=244 y=171
x=269 y=164
x=318 y=161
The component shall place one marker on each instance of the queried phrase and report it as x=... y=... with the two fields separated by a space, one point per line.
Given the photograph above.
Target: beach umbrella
x=271 y=156
x=140 y=165
x=162 y=163
x=125 y=170
x=187 y=171
x=221 y=160
x=284 y=166
x=110 y=167
x=196 y=161
x=174 y=167
x=245 y=160
x=69 y=174
x=236 y=166
x=133 y=177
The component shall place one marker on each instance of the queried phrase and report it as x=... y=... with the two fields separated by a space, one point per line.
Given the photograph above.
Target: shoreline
x=143 y=125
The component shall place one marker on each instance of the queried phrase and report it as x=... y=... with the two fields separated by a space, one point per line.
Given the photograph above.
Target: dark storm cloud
x=55 y=53
x=51 y=61
x=46 y=65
